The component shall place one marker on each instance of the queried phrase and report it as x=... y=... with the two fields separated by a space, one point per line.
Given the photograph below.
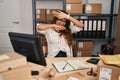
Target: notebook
x=69 y=65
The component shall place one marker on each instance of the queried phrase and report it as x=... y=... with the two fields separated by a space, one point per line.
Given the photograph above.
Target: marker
x=64 y=66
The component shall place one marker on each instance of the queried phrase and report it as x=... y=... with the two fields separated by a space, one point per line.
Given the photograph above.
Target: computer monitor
x=28 y=45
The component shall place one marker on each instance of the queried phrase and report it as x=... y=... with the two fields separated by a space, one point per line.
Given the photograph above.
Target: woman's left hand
x=59 y=14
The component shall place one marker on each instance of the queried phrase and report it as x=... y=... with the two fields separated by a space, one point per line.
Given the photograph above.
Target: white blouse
x=56 y=42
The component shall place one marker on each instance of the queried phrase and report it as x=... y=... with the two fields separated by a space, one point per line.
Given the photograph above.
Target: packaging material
x=85 y=46
x=19 y=73
x=50 y=14
x=74 y=8
x=92 y=8
x=41 y=11
x=11 y=60
x=74 y=1
x=41 y=14
x=86 y=53
x=107 y=72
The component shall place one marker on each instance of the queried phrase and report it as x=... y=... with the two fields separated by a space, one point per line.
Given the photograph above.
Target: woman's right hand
x=59 y=27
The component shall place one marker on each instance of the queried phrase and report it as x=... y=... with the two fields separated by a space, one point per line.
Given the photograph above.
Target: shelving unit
x=77 y=37
x=108 y=17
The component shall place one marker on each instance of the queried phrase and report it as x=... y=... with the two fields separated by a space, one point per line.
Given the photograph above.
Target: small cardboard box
x=85 y=46
x=19 y=73
x=74 y=8
x=108 y=72
x=92 y=8
x=41 y=11
x=11 y=60
x=74 y=1
x=41 y=16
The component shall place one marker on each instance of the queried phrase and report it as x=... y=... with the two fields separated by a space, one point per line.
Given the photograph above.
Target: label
x=80 y=44
x=68 y=7
x=88 y=9
x=105 y=73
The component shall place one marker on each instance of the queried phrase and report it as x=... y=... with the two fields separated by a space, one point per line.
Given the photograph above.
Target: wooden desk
x=43 y=71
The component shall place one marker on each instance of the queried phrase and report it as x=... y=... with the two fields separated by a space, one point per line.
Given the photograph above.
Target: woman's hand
x=59 y=27
x=59 y=14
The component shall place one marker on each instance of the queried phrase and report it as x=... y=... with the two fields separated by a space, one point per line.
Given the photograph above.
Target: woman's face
x=61 y=23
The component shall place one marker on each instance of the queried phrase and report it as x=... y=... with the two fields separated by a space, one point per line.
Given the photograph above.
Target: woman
x=59 y=34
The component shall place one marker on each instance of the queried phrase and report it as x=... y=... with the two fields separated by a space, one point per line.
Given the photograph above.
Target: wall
x=26 y=13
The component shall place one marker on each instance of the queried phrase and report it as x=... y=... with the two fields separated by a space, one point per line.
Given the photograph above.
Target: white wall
x=26 y=16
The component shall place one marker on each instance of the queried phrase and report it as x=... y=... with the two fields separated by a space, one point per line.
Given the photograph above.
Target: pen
x=64 y=66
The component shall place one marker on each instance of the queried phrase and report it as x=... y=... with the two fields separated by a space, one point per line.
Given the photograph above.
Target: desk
x=44 y=70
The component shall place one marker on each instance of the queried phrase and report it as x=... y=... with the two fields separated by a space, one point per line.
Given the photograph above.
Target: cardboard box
x=86 y=53
x=74 y=1
x=11 y=60
x=108 y=72
x=41 y=16
x=92 y=8
x=74 y=8
x=41 y=11
x=50 y=16
x=19 y=73
x=85 y=46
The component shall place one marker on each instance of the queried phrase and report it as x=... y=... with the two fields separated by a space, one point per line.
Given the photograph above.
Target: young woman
x=59 y=34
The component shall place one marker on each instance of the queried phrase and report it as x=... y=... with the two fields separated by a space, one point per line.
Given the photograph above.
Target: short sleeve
x=74 y=28
x=41 y=31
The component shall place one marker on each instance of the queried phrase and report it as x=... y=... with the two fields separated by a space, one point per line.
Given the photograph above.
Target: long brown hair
x=67 y=32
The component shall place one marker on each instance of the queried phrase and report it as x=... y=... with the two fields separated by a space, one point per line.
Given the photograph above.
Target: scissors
x=92 y=73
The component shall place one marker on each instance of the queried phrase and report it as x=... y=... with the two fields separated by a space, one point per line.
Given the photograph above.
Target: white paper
x=72 y=78
x=105 y=73
x=68 y=7
x=80 y=44
x=88 y=8
x=4 y=57
x=1 y=77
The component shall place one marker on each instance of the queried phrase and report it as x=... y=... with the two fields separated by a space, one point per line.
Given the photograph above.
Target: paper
x=111 y=59
x=1 y=77
x=4 y=57
x=72 y=78
x=119 y=78
x=105 y=74
x=71 y=65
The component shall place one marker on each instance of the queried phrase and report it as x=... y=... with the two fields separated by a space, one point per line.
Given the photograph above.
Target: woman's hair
x=67 y=32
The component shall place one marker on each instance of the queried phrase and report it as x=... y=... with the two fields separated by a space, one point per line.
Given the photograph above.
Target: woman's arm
x=62 y=15
x=44 y=26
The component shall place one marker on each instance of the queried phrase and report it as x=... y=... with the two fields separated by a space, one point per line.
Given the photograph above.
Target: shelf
x=93 y=39
x=95 y=15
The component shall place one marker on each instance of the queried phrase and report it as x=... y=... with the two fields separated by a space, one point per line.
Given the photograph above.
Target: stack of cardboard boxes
x=13 y=66
x=94 y=8
x=84 y=49
x=74 y=6
x=44 y=14
x=41 y=14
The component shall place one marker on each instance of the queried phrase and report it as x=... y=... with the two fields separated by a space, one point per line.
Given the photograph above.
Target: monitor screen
x=28 y=45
